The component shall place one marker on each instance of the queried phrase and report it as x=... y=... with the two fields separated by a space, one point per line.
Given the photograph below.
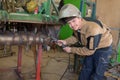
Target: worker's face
x=75 y=23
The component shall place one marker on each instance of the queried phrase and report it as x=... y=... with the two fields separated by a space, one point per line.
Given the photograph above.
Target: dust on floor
x=53 y=66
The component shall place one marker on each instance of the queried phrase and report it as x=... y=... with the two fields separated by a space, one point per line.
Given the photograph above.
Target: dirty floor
x=53 y=65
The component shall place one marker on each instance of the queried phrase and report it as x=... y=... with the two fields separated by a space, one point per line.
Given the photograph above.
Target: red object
x=19 y=63
x=38 y=69
x=36 y=10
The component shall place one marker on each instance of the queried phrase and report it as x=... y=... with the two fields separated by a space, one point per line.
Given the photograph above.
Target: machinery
x=27 y=23
x=22 y=25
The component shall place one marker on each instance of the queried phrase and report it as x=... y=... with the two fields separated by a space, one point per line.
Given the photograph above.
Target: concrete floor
x=53 y=65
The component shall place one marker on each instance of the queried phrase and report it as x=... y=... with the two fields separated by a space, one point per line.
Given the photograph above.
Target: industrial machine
x=28 y=23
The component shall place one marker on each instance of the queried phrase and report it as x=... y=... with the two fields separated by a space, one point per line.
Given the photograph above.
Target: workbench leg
x=19 y=63
x=38 y=62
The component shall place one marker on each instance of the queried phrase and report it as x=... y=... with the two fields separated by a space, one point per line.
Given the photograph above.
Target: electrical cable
x=58 y=59
x=66 y=68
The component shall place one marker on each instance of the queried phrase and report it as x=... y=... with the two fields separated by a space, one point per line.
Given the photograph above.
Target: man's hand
x=61 y=42
x=67 y=49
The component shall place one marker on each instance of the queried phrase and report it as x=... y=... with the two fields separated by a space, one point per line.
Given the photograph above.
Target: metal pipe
x=19 y=62
x=55 y=7
x=9 y=38
x=38 y=63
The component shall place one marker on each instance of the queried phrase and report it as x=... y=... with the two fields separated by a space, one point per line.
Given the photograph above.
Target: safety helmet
x=68 y=11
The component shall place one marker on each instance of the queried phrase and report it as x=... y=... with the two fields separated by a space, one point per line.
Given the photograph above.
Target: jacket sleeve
x=93 y=39
x=89 y=49
x=71 y=40
x=83 y=51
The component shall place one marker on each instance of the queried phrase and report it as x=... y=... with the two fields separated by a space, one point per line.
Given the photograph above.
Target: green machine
x=43 y=15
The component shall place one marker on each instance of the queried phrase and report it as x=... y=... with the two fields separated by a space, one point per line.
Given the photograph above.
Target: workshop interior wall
x=109 y=12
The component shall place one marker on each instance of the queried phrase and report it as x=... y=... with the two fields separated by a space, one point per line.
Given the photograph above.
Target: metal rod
x=38 y=69
x=55 y=7
x=19 y=59
x=19 y=62
x=20 y=38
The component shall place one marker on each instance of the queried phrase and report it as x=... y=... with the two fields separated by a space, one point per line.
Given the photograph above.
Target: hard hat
x=31 y=6
x=68 y=11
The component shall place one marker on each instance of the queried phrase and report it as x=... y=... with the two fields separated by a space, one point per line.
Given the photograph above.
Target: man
x=95 y=39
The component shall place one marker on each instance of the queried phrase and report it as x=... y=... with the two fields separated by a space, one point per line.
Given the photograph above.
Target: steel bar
x=38 y=66
x=19 y=63
x=20 y=38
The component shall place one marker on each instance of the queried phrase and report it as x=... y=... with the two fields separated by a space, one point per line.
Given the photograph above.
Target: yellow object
x=31 y=6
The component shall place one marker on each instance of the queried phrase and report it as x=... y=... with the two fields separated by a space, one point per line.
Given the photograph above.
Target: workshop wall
x=109 y=12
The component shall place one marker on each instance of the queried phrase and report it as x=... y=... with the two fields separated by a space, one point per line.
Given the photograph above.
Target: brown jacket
x=93 y=37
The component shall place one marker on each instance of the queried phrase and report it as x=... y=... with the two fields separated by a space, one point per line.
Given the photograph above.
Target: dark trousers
x=95 y=65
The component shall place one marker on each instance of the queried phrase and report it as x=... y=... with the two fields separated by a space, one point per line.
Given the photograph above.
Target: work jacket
x=92 y=36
